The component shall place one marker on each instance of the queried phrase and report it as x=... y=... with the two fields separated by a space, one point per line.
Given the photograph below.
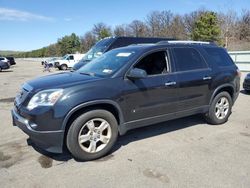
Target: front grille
x=247 y=81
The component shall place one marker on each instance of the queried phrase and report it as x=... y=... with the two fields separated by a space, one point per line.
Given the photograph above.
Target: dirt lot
x=181 y=153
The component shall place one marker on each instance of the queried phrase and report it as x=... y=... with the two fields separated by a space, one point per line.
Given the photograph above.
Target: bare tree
x=228 y=23
x=138 y=28
x=159 y=22
x=244 y=25
x=177 y=28
x=87 y=41
x=122 y=30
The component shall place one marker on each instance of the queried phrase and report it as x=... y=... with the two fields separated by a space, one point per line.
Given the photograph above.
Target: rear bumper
x=51 y=141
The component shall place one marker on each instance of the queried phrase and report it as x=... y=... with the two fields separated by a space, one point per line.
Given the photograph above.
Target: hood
x=61 y=80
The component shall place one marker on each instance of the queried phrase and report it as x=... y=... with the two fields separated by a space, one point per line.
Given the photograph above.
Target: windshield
x=108 y=63
x=98 y=49
x=64 y=57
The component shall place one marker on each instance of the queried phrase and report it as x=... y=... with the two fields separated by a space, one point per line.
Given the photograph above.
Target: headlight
x=45 y=98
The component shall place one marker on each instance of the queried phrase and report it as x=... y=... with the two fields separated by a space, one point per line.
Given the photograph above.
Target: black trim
x=161 y=118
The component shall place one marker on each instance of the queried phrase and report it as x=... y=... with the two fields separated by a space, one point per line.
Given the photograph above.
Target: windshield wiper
x=88 y=73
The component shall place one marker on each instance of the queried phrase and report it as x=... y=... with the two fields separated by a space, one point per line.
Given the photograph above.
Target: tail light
x=238 y=73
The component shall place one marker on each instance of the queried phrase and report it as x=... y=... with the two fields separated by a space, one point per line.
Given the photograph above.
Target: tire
x=215 y=114
x=64 y=67
x=1 y=69
x=82 y=135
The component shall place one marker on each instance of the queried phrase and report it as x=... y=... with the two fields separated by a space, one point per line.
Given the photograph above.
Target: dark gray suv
x=126 y=88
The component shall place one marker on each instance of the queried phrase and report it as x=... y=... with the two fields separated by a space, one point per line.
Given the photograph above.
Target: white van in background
x=68 y=61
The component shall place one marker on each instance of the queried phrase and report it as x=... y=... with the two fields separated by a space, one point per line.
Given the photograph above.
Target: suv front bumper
x=246 y=84
x=51 y=141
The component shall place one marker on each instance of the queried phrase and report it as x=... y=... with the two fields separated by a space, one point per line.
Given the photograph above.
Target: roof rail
x=185 y=42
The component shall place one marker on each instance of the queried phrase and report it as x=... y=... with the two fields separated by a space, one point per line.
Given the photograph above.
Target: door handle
x=207 y=78
x=170 y=83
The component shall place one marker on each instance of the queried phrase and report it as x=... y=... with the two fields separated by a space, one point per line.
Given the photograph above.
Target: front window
x=98 y=49
x=108 y=63
x=155 y=63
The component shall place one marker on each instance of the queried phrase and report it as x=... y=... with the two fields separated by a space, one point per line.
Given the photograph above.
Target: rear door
x=193 y=77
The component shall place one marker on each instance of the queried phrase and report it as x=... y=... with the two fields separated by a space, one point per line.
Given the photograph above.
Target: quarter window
x=219 y=56
x=188 y=59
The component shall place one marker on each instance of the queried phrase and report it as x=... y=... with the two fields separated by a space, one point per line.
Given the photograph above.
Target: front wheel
x=220 y=109
x=92 y=135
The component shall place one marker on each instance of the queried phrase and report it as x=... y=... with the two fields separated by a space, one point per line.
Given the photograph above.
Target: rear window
x=188 y=59
x=219 y=56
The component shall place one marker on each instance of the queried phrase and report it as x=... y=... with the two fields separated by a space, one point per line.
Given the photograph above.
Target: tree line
x=229 y=29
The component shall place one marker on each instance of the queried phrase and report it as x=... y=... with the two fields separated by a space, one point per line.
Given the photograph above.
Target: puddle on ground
x=45 y=161
x=7 y=100
x=245 y=134
x=155 y=175
x=4 y=157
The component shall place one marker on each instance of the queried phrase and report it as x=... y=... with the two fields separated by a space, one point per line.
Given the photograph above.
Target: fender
x=86 y=104
x=220 y=87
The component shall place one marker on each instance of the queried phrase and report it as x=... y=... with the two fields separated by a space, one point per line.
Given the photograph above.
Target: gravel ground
x=181 y=153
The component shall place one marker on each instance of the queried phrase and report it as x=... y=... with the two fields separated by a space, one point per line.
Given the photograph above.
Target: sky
x=31 y=24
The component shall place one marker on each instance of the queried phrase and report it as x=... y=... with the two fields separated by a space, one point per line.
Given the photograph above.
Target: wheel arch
x=108 y=105
x=225 y=87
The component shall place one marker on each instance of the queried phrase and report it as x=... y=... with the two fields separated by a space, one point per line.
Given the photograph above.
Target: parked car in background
x=12 y=60
x=68 y=61
x=127 y=88
x=4 y=65
x=4 y=59
x=50 y=61
x=110 y=43
x=246 y=83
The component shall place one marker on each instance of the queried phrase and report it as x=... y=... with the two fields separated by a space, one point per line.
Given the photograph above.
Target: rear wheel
x=63 y=67
x=92 y=135
x=220 y=109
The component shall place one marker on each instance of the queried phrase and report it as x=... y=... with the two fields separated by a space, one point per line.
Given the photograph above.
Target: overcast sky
x=32 y=24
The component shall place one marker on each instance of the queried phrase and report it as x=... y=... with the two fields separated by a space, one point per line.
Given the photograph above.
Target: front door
x=153 y=96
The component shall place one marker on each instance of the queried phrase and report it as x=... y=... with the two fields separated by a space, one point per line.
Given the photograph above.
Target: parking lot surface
x=182 y=153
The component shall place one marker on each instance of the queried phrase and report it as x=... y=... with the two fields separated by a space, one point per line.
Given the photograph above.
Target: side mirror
x=137 y=74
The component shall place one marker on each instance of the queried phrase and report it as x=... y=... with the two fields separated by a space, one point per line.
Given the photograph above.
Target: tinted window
x=188 y=59
x=1 y=58
x=155 y=63
x=219 y=56
x=71 y=57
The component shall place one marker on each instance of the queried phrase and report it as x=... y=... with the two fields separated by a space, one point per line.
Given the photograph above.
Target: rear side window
x=1 y=58
x=188 y=59
x=219 y=56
